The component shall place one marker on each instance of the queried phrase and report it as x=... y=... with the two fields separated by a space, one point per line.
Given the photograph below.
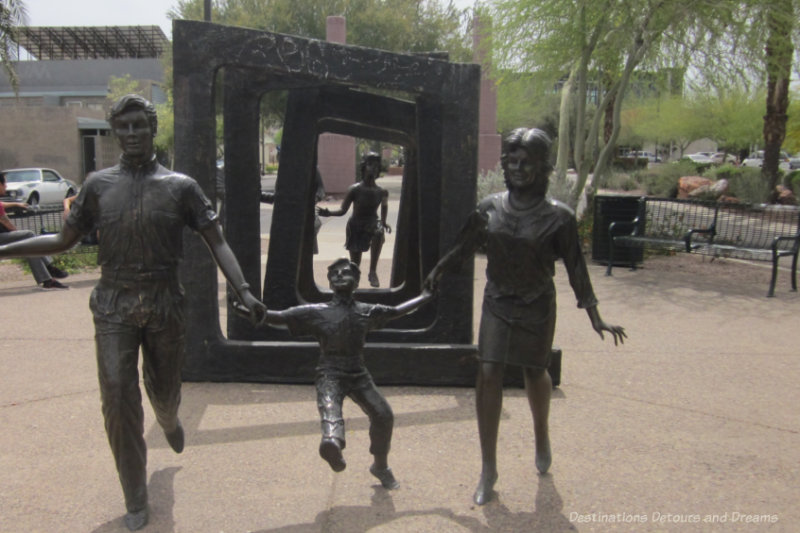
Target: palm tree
x=12 y=15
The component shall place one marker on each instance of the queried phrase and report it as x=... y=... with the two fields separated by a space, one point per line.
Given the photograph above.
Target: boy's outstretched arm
x=412 y=304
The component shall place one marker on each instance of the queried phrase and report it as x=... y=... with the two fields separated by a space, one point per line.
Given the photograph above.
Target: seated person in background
x=42 y=268
x=341 y=326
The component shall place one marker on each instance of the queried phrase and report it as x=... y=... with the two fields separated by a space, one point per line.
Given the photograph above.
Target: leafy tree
x=13 y=14
x=792 y=142
x=731 y=118
x=521 y=101
x=119 y=86
x=397 y=26
x=165 y=136
x=406 y=26
x=780 y=18
x=598 y=46
x=734 y=119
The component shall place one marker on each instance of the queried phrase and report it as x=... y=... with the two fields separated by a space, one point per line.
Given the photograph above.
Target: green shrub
x=490 y=181
x=71 y=262
x=698 y=169
x=726 y=171
x=75 y=262
x=663 y=180
x=793 y=182
x=629 y=163
x=620 y=181
x=748 y=185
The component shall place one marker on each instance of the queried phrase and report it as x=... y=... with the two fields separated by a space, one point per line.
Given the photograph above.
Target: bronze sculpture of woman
x=522 y=232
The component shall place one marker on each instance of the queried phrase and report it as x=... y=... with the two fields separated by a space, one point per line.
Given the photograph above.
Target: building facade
x=57 y=118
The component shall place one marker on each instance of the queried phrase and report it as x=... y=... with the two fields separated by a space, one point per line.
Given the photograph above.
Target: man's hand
x=323 y=211
x=256 y=310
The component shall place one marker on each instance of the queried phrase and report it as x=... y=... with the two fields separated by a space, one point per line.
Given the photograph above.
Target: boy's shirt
x=341 y=330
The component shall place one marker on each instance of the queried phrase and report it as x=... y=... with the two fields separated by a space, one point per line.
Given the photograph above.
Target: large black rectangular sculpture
x=332 y=88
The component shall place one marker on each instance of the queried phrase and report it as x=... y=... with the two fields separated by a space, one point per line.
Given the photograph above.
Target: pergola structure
x=92 y=42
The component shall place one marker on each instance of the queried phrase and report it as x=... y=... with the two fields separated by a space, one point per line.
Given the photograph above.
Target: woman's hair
x=132 y=102
x=369 y=156
x=536 y=144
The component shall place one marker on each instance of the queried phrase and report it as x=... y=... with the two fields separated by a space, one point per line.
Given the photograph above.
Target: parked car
x=794 y=162
x=702 y=158
x=720 y=158
x=37 y=186
x=650 y=156
x=756 y=160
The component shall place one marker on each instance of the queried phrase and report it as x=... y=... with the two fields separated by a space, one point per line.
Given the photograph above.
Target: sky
x=112 y=13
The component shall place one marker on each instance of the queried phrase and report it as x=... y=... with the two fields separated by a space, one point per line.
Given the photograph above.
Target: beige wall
x=48 y=136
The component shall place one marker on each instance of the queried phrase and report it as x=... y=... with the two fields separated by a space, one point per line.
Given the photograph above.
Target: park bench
x=718 y=229
x=47 y=220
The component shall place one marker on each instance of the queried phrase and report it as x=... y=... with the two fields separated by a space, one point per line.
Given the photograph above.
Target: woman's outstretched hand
x=600 y=326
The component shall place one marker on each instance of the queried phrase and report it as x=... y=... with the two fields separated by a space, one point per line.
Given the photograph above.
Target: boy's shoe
x=385 y=476
x=373 y=280
x=331 y=451
x=51 y=284
x=56 y=272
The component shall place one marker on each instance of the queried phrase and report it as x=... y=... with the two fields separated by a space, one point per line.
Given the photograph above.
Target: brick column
x=336 y=154
x=488 y=139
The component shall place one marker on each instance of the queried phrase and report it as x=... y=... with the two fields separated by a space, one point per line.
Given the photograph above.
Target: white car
x=36 y=186
x=700 y=157
x=756 y=160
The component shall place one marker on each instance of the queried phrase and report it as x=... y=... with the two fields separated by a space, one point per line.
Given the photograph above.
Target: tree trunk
x=608 y=121
x=779 y=64
x=562 y=159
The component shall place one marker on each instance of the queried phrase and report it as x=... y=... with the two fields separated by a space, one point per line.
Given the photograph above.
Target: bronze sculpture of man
x=523 y=232
x=364 y=230
x=139 y=209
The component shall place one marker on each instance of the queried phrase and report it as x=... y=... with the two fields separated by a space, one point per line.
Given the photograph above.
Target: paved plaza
x=692 y=425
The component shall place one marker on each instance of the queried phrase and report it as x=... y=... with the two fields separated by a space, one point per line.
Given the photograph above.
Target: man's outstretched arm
x=224 y=257
x=43 y=244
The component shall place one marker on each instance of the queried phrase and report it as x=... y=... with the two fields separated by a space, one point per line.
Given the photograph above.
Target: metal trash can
x=608 y=209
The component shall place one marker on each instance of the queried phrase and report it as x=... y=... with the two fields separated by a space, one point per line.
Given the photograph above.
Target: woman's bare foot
x=485 y=489
x=544 y=456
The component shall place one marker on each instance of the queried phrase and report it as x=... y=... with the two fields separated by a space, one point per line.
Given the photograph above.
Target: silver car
x=37 y=186
x=756 y=160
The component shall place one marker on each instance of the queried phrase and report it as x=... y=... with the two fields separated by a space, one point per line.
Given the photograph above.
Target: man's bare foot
x=544 y=457
x=485 y=489
x=331 y=451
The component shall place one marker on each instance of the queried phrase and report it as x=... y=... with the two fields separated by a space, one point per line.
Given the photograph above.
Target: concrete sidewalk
x=693 y=419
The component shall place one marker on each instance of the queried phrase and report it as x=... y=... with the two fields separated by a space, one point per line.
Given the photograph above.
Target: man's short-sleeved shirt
x=140 y=213
x=340 y=330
